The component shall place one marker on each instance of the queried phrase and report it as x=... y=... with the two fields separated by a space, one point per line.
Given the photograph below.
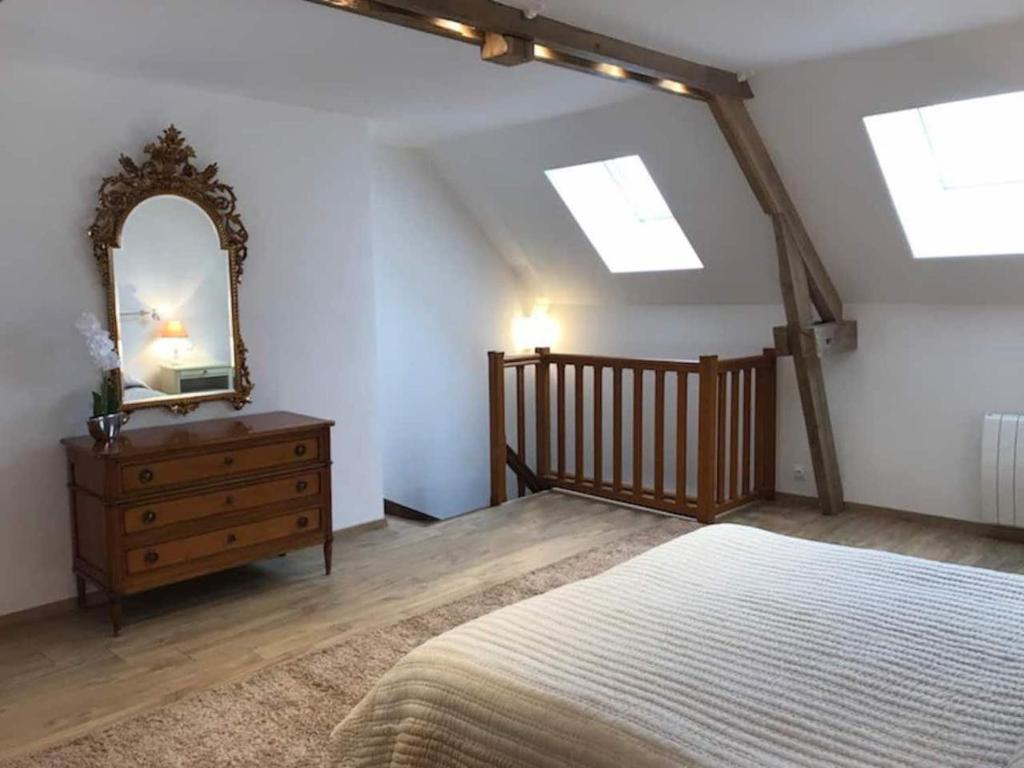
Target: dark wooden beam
x=809 y=376
x=523 y=472
x=394 y=509
x=827 y=338
x=475 y=18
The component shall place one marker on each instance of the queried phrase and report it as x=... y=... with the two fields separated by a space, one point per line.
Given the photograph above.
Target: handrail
x=648 y=364
x=732 y=417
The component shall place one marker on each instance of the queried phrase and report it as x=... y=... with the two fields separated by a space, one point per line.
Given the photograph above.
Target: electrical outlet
x=799 y=472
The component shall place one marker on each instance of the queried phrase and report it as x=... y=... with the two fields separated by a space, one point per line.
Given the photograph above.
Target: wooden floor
x=64 y=675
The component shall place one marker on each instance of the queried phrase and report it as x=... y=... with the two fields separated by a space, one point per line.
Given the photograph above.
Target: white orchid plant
x=107 y=399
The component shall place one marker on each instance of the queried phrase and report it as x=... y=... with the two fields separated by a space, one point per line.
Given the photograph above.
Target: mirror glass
x=172 y=289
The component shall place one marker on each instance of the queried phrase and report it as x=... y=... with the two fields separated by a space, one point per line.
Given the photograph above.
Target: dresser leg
x=80 y=584
x=114 y=605
x=328 y=554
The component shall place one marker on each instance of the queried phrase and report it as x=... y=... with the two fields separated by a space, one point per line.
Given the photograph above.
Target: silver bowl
x=106 y=428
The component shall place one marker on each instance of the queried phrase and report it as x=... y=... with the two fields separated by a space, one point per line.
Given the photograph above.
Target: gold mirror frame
x=168 y=170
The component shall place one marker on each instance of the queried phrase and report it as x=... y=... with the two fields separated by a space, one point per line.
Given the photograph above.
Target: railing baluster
x=734 y=433
x=638 y=432
x=521 y=422
x=598 y=424
x=578 y=423
x=707 y=454
x=682 y=407
x=498 y=452
x=659 y=435
x=768 y=490
x=617 y=429
x=720 y=442
x=560 y=418
x=543 y=414
x=747 y=378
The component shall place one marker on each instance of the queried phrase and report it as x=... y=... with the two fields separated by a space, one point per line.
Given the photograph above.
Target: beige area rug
x=282 y=717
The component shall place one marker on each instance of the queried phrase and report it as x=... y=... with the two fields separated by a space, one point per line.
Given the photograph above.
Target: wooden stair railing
x=729 y=415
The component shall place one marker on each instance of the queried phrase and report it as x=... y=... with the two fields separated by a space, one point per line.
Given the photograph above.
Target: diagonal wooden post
x=806 y=287
x=809 y=377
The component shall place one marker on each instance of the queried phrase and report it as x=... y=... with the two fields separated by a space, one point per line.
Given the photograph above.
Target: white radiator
x=1002 y=470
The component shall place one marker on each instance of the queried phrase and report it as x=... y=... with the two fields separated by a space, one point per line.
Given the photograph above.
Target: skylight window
x=956 y=175
x=624 y=215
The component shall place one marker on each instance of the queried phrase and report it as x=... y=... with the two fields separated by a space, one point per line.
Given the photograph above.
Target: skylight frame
x=945 y=169
x=625 y=216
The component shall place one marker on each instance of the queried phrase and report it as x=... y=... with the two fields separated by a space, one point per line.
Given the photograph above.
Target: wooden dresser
x=165 y=504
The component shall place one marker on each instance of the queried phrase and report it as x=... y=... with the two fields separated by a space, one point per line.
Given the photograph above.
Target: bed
x=726 y=647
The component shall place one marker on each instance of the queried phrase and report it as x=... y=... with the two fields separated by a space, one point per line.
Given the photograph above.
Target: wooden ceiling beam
x=476 y=18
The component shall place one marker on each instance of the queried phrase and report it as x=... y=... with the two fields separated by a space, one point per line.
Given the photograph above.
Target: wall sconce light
x=537 y=330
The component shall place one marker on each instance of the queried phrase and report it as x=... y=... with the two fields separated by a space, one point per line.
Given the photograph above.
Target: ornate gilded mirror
x=170 y=247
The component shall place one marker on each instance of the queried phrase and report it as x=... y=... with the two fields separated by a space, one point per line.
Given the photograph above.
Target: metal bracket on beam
x=823 y=338
x=506 y=50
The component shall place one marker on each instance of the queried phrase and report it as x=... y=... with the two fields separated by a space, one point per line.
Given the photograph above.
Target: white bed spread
x=725 y=647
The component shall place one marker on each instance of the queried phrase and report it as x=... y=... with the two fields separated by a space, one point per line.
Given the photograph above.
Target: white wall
x=444 y=298
x=307 y=311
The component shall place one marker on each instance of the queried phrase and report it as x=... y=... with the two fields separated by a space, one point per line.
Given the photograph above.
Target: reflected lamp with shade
x=174 y=339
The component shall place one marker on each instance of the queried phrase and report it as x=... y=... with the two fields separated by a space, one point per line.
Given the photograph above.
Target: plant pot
x=106 y=428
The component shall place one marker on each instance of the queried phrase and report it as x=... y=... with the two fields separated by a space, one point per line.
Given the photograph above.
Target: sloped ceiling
x=500 y=177
x=811 y=116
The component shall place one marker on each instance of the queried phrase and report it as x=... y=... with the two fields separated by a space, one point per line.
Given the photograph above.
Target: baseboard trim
x=977 y=528
x=70 y=604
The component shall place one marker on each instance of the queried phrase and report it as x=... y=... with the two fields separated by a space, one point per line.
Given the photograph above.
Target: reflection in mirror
x=172 y=290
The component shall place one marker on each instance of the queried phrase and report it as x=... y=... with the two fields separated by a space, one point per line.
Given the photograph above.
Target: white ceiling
x=419 y=87
x=747 y=35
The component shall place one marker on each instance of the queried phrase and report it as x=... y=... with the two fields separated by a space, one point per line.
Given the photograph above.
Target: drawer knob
x=151 y=557
x=229 y=500
x=232 y=538
x=303 y=522
x=301 y=486
x=146 y=476
x=229 y=460
x=149 y=516
x=300 y=449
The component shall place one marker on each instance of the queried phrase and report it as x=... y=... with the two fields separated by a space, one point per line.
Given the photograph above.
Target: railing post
x=499 y=455
x=766 y=423
x=707 y=425
x=543 y=413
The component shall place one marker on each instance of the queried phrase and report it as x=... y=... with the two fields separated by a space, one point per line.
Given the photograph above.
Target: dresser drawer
x=147 y=517
x=170 y=553
x=139 y=477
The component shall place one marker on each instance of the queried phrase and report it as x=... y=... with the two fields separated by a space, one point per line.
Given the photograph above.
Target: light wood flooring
x=64 y=675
